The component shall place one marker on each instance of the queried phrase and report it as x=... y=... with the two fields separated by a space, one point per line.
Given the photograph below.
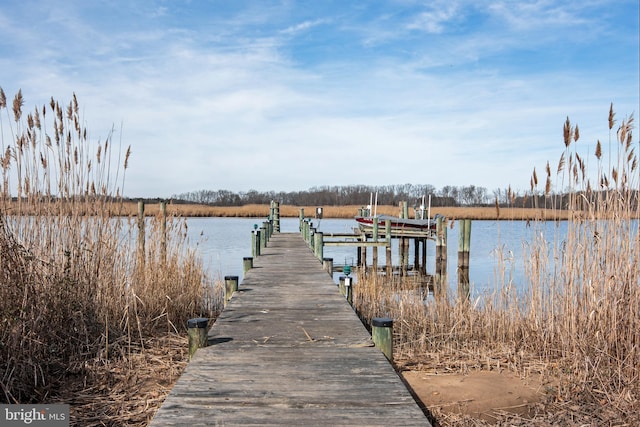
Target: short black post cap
x=231 y=278
x=382 y=322
x=199 y=322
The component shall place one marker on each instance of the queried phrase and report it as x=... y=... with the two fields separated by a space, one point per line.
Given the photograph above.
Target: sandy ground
x=476 y=394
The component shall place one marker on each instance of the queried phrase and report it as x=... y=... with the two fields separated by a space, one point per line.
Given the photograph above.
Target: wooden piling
x=374 y=251
x=464 y=243
x=404 y=210
x=266 y=226
x=318 y=244
x=197 y=329
x=230 y=287
x=382 y=334
x=348 y=289
x=276 y=216
x=163 y=230
x=255 y=235
x=387 y=234
x=440 y=279
x=403 y=250
x=263 y=237
x=301 y=220
x=141 y=235
x=247 y=263
x=327 y=263
x=424 y=256
x=416 y=254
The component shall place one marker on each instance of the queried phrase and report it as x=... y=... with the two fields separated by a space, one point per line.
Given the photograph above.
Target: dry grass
x=128 y=208
x=575 y=321
x=129 y=389
x=257 y=211
x=83 y=303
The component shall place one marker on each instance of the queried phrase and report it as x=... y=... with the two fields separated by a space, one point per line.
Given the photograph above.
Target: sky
x=285 y=95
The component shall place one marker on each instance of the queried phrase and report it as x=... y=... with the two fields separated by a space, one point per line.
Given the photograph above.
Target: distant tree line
x=351 y=195
x=470 y=195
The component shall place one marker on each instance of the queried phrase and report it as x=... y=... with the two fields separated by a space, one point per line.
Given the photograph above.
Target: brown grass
x=575 y=321
x=257 y=211
x=83 y=303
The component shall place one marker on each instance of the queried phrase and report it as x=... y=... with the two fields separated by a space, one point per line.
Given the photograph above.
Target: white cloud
x=303 y=26
x=232 y=103
x=441 y=14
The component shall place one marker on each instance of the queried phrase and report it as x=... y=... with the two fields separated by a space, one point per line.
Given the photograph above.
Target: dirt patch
x=481 y=395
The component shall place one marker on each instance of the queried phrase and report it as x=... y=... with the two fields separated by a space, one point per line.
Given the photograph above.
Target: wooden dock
x=289 y=350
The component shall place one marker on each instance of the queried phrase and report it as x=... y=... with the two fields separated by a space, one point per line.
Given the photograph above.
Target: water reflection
x=496 y=254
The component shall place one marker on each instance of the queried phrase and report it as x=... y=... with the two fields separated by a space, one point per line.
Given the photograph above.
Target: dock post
x=269 y=226
x=416 y=254
x=424 y=256
x=311 y=242
x=382 y=334
x=405 y=210
x=374 y=250
x=327 y=263
x=163 y=230
x=253 y=243
x=276 y=216
x=263 y=237
x=464 y=242
x=230 y=287
x=197 y=329
x=387 y=235
x=256 y=243
x=141 y=235
x=300 y=220
x=403 y=252
x=363 y=258
x=348 y=290
x=441 y=257
x=307 y=231
x=266 y=226
x=341 y=287
x=247 y=263
x=405 y=248
x=319 y=244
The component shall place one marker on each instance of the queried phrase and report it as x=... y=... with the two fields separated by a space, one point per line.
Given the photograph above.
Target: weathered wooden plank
x=289 y=350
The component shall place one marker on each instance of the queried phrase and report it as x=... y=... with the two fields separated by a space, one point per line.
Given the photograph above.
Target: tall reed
x=73 y=286
x=576 y=317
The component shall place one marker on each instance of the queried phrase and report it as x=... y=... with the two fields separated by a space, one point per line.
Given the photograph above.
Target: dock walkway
x=289 y=350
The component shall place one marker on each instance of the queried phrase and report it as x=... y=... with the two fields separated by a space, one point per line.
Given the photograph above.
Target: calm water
x=223 y=243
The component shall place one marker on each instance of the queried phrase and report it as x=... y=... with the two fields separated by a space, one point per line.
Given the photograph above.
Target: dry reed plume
x=76 y=292
x=576 y=318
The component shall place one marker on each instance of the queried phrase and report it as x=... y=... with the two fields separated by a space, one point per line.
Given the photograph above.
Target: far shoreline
x=346 y=212
x=192 y=210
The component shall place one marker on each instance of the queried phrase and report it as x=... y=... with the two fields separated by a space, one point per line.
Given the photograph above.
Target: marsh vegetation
x=576 y=319
x=84 y=309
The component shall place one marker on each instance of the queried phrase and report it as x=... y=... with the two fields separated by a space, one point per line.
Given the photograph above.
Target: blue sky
x=287 y=95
